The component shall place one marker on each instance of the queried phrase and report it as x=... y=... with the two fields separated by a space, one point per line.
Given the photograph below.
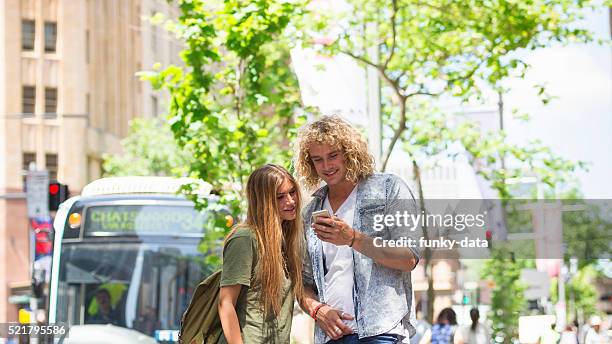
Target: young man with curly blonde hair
x=356 y=290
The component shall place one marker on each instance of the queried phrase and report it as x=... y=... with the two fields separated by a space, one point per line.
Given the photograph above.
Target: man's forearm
x=400 y=258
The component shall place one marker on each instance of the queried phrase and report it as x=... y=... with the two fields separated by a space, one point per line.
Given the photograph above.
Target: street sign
x=19 y=299
x=538 y=284
x=37 y=193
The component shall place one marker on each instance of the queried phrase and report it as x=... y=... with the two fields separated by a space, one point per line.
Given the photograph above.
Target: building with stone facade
x=68 y=90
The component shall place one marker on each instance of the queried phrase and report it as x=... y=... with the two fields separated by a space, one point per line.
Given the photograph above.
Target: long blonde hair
x=279 y=243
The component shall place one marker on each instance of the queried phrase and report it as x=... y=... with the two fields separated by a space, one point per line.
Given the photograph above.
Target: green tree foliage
x=149 y=149
x=453 y=48
x=587 y=232
x=507 y=298
x=233 y=103
x=424 y=50
x=580 y=293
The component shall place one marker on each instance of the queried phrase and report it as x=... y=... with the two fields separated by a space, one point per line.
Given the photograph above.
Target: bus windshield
x=141 y=286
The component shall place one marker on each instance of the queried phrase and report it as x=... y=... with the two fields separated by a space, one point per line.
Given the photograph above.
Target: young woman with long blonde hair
x=262 y=262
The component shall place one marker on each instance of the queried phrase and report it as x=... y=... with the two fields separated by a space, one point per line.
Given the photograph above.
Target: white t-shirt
x=480 y=336
x=340 y=270
x=592 y=337
x=339 y=264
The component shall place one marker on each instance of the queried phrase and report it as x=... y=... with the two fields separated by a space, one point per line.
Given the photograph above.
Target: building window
x=27 y=159
x=51 y=165
x=154 y=106
x=50 y=100
x=50 y=37
x=28 y=99
x=28 y=33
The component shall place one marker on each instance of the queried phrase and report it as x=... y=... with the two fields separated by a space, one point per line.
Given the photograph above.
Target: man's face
x=103 y=302
x=328 y=162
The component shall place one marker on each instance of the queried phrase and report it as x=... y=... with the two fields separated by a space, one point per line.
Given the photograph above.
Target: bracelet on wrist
x=352 y=240
x=316 y=310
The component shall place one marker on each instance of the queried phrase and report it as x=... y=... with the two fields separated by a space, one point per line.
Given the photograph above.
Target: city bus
x=126 y=255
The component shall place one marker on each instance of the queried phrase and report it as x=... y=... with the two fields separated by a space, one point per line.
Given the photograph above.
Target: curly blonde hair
x=333 y=131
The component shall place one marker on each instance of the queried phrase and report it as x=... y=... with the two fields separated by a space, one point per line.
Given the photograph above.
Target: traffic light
x=58 y=193
x=489 y=237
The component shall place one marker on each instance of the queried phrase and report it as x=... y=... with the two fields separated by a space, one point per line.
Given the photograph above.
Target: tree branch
x=397 y=134
x=393 y=83
x=394 y=34
x=238 y=90
x=471 y=72
x=422 y=93
x=361 y=58
x=401 y=98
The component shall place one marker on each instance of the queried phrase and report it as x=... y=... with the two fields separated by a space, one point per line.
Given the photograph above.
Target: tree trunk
x=426 y=254
x=398 y=132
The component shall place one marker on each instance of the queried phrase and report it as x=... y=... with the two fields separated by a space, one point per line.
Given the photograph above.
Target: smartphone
x=320 y=213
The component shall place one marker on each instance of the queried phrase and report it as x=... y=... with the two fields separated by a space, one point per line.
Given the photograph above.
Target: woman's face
x=286 y=197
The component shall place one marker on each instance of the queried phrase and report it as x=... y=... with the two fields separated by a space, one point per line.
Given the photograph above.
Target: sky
x=578 y=124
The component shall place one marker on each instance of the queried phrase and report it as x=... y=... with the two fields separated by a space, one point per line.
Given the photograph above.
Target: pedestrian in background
x=444 y=331
x=477 y=332
x=593 y=336
x=569 y=335
x=550 y=336
x=421 y=326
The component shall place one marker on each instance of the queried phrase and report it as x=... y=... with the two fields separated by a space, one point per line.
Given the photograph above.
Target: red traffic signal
x=54 y=188
x=58 y=193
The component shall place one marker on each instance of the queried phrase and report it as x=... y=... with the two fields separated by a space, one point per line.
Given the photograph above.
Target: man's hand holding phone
x=332 y=229
x=320 y=213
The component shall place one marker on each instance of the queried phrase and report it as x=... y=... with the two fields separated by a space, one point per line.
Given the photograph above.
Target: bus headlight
x=229 y=221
